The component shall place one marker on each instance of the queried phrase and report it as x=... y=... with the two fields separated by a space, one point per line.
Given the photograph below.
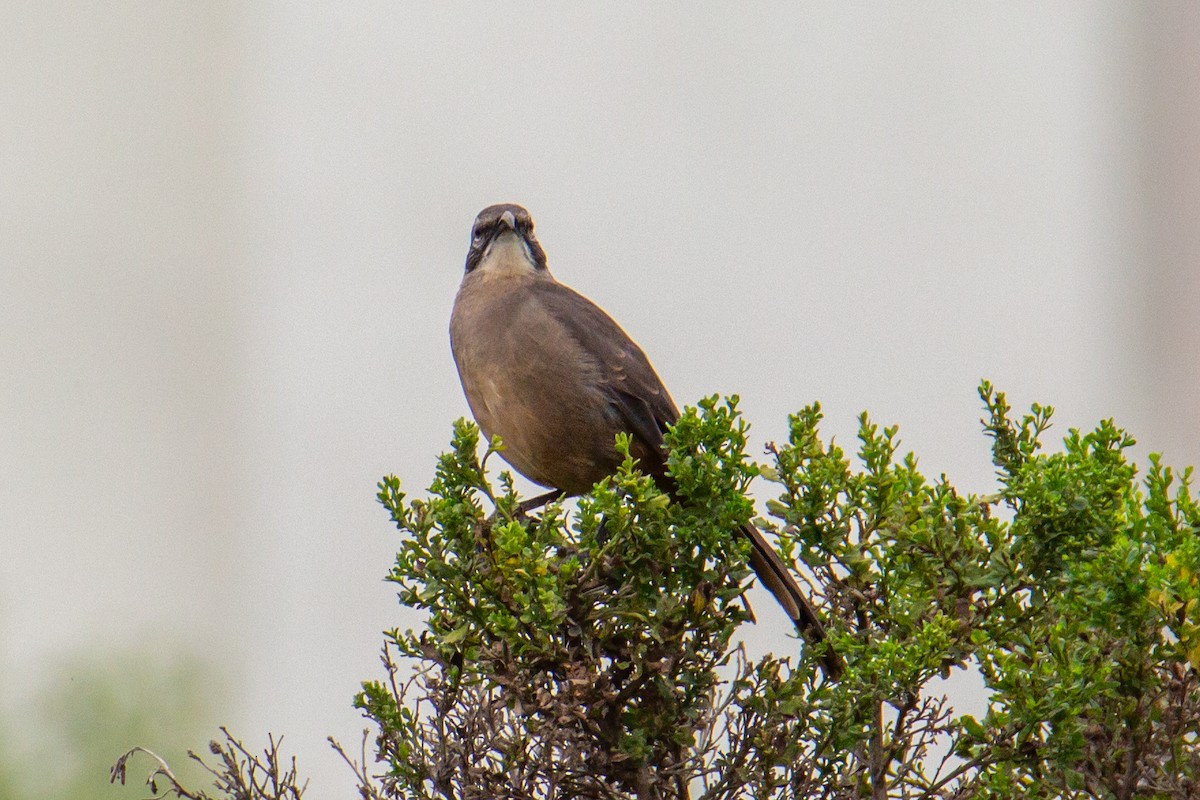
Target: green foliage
x=589 y=652
x=1094 y=684
x=617 y=619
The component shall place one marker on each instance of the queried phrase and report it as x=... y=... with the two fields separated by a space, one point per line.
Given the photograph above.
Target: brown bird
x=554 y=377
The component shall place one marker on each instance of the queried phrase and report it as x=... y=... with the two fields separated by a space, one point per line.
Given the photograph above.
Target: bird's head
x=502 y=242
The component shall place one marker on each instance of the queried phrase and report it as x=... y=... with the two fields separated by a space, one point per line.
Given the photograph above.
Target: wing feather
x=630 y=382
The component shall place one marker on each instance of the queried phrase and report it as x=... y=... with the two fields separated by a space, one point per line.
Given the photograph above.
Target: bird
x=556 y=378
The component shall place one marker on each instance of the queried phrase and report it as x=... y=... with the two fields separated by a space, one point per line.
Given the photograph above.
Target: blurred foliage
x=61 y=742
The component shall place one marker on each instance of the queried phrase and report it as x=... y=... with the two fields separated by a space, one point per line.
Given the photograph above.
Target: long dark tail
x=774 y=574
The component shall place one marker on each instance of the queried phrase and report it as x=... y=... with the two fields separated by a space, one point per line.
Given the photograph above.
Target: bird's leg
x=537 y=502
x=525 y=507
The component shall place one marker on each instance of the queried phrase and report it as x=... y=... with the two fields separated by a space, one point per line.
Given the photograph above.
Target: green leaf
x=458 y=634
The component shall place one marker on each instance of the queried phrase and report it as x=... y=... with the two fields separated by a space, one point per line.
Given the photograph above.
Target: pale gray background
x=230 y=236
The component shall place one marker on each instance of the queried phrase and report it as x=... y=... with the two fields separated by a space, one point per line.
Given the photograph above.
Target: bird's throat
x=508 y=255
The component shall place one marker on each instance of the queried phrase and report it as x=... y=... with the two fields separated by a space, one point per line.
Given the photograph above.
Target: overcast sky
x=231 y=233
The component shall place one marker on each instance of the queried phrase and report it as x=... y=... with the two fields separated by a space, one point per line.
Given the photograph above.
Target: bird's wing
x=643 y=404
x=633 y=387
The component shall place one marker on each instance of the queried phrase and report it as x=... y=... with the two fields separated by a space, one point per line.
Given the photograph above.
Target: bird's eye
x=477 y=236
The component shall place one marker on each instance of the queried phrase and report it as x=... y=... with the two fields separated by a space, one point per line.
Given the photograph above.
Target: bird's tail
x=774 y=574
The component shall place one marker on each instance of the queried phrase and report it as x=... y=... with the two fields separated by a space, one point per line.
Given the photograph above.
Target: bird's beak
x=508 y=219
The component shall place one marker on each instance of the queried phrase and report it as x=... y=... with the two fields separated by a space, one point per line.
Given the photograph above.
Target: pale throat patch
x=507 y=255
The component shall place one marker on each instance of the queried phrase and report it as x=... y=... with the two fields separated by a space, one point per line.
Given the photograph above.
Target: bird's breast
x=529 y=382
